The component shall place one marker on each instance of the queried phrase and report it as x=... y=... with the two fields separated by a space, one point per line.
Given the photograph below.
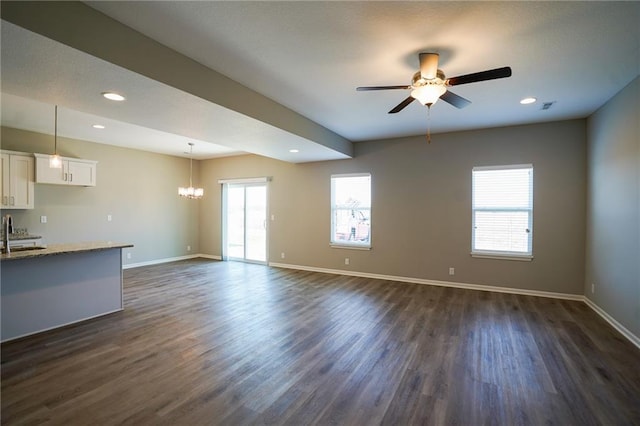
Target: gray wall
x=421 y=218
x=139 y=189
x=613 y=208
x=421 y=201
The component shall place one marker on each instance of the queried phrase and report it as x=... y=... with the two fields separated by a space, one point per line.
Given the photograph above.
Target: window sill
x=349 y=247
x=503 y=256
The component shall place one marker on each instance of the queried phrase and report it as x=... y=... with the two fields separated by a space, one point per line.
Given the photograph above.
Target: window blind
x=502 y=204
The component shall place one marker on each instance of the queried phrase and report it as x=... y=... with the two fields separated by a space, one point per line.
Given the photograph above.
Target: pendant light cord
x=55 y=133
x=191 y=164
x=191 y=171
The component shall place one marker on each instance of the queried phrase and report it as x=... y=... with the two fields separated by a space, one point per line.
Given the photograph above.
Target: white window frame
x=503 y=254
x=341 y=243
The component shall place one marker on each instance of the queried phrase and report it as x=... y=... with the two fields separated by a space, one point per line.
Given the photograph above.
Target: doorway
x=245 y=222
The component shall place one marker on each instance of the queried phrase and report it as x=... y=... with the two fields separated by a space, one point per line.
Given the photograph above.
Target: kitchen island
x=45 y=288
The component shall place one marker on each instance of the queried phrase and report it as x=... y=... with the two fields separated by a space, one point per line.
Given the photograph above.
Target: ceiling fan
x=430 y=84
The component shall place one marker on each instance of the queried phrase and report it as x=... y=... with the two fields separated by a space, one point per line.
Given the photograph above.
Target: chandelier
x=191 y=192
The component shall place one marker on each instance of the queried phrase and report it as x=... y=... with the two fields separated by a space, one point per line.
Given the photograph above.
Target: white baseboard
x=615 y=324
x=170 y=259
x=466 y=286
x=210 y=256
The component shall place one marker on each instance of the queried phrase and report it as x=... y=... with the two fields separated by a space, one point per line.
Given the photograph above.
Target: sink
x=27 y=248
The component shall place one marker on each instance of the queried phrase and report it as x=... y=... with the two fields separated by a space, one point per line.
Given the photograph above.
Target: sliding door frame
x=261 y=181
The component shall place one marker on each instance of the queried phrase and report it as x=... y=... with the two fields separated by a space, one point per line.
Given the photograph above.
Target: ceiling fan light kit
x=428 y=90
x=428 y=94
x=430 y=84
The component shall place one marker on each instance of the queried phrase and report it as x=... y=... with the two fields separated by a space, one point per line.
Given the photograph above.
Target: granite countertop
x=55 y=249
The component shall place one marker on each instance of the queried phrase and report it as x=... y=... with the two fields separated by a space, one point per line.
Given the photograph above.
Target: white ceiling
x=310 y=56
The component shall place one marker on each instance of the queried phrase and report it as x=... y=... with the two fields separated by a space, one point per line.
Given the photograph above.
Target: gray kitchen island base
x=43 y=292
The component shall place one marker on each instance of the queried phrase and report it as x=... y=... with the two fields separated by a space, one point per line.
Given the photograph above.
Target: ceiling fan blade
x=455 y=100
x=428 y=65
x=480 y=76
x=362 y=89
x=402 y=105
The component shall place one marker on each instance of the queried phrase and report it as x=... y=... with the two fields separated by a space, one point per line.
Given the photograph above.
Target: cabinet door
x=4 y=165
x=21 y=182
x=81 y=173
x=46 y=174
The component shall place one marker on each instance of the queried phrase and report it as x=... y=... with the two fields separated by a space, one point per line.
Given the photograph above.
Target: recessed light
x=98 y=126
x=294 y=150
x=527 y=101
x=112 y=96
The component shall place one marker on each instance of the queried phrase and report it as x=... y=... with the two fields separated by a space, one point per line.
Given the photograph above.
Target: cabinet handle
x=70 y=177
x=4 y=200
x=65 y=177
x=13 y=200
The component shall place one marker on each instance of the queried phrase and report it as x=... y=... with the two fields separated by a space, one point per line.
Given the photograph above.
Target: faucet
x=7 y=223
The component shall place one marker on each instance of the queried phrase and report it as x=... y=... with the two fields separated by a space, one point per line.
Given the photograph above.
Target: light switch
x=43 y=219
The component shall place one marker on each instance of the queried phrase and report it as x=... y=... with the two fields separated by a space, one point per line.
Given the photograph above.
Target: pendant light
x=54 y=160
x=191 y=192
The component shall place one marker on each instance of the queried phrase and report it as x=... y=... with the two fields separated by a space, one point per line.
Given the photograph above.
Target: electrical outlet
x=188 y=248
x=128 y=255
x=273 y=217
x=346 y=260
x=109 y=218
x=452 y=271
x=43 y=219
x=282 y=255
x=593 y=288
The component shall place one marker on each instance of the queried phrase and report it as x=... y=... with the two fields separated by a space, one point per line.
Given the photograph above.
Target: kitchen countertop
x=55 y=249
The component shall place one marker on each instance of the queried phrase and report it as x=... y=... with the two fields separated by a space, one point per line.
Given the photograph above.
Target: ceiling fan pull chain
x=428 y=123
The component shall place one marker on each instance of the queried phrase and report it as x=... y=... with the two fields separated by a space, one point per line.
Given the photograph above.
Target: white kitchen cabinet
x=17 y=180
x=74 y=171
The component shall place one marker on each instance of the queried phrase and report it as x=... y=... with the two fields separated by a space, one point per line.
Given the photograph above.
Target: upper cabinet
x=74 y=171
x=17 y=180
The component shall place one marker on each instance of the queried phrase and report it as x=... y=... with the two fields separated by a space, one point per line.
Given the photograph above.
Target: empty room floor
x=205 y=343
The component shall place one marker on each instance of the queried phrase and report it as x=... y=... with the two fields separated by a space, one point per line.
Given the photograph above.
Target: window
x=351 y=210
x=502 y=207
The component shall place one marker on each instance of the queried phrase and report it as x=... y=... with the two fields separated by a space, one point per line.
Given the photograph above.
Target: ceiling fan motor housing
x=419 y=81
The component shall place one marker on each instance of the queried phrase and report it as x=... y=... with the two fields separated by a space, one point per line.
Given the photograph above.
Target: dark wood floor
x=206 y=342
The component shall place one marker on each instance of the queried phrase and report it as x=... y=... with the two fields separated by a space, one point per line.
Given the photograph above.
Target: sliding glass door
x=245 y=222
